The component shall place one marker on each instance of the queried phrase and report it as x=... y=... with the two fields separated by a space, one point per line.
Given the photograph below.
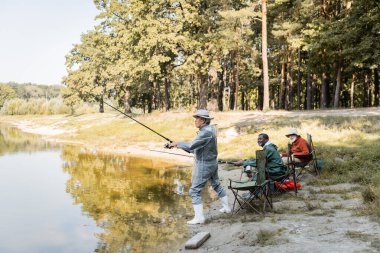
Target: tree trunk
x=232 y=82
x=192 y=93
x=237 y=79
x=101 y=104
x=366 y=89
x=323 y=8
x=309 y=92
x=352 y=91
x=315 y=92
x=289 y=83
x=156 y=93
x=324 y=87
x=220 y=96
x=299 y=80
x=345 y=97
x=225 y=71
x=376 y=88
x=329 y=91
x=143 y=101
x=203 y=91
x=127 y=101
x=309 y=86
x=260 y=96
x=275 y=91
x=242 y=104
x=222 y=86
x=167 y=94
x=338 y=84
x=289 y=95
x=214 y=83
x=282 y=87
x=264 y=55
x=150 y=103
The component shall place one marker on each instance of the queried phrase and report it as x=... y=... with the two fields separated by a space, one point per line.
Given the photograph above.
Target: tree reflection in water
x=13 y=140
x=134 y=200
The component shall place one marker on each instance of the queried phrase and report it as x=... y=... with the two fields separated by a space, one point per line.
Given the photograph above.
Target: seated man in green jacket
x=276 y=169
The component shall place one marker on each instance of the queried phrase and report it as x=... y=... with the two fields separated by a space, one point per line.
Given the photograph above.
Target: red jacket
x=300 y=149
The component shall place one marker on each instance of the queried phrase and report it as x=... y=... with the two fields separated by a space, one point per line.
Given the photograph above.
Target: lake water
x=65 y=199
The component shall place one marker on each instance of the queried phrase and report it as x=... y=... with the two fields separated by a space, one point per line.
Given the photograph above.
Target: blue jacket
x=204 y=147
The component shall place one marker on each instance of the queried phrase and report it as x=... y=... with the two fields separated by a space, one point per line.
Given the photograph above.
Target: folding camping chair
x=245 y=192
x=283 y=182
x=309 y=166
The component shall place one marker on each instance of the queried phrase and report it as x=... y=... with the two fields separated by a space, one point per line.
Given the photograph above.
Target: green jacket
x=276 y=168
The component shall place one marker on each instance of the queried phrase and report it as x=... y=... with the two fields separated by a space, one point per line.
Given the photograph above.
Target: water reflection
x=66 y=200
x=13 y=140
x=133 y=199
x=179 y=187
x=37 y=215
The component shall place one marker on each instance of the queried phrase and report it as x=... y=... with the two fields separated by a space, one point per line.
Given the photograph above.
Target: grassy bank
x=349 y=145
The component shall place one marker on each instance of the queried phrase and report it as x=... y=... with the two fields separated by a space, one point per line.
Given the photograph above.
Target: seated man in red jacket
x=300 y=148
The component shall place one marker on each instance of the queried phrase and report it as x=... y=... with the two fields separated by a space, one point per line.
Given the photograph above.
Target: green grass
x=267 y=237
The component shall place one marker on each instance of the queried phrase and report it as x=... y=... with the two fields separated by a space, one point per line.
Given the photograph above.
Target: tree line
x=28 y=98
x=12 y=90
x=228 y=55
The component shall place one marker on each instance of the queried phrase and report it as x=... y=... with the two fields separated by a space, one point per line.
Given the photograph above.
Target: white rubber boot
x=198 y=215
x=225 y=208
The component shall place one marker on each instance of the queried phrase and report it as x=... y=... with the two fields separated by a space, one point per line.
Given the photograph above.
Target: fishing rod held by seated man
x=170 y=153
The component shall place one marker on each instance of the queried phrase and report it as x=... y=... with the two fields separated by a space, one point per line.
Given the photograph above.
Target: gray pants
x=199 y=180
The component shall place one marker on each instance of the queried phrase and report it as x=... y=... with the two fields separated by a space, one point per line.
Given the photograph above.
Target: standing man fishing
x=205 y=168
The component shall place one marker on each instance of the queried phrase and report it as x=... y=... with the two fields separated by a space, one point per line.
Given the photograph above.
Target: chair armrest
x=254 y=173
x=240 y=182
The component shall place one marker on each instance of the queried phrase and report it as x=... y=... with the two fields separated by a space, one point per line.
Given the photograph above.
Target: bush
x=41 y=106
x=34 y=106
x=13 y=107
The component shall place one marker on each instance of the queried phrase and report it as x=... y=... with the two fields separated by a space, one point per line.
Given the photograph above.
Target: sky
x=35 y=36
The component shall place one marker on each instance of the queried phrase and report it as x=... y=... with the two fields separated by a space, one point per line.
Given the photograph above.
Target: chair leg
x=252 y=196
x=241 y=202
x=235 y=199
x=244 y=201
x=295 y=181
x=267 y=195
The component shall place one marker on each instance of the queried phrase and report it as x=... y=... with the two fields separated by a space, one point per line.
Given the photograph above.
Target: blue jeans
x=199 y=181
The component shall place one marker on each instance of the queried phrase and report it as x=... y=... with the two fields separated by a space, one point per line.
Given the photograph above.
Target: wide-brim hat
x=292 y=131
x=202 y=113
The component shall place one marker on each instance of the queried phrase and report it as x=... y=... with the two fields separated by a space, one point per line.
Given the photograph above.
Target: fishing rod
x=227 y=162
x=219 y=161
x=170 y=153
x=166 y=138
